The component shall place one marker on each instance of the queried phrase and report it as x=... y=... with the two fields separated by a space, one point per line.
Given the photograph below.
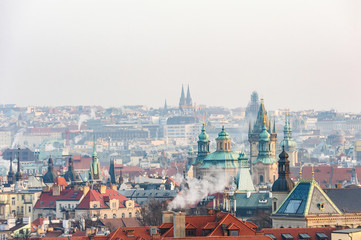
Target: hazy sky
x=296 y=54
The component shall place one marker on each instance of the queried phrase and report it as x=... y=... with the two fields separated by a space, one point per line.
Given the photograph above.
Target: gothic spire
x=112 y=172
x=189 y=99
x=182 y=100
x=18 y=174
x=11 y=174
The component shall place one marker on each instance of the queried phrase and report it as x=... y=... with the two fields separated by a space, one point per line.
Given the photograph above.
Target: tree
x=262 y=219
x=151 y=212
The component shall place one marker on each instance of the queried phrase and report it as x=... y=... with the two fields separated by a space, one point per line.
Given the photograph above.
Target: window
x=274 y=206
x=23 y=197
x=123 y=215
x=293 y=206
x=286 y=236
x=261 y=179
x=304 y=236
x=22 y=210
x=105 y=216
x=130 y=214
x=13 y=201
x=115 y=216
x=233 y=233
x=29 y=209
x=190 y=232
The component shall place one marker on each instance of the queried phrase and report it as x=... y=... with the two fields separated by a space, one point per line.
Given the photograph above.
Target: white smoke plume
x=195 y=190
x=16 y=138
x=84 y=117
x=49 y=147
x=79 y=137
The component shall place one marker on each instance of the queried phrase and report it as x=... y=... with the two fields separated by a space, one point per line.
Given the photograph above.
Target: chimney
x=248 y=194
x=224 y=229
x=338 y=185
x=210 y=211
x=179 y=224
x=167 y=217
x=114 y=187
x=153 y=231
x=103 y=189
x=56 y=190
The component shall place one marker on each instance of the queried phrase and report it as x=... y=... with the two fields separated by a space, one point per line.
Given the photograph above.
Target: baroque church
x=234 y=166
x=263 y=138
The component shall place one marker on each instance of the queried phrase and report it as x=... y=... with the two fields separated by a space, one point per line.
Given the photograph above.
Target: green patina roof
x=264 y=135
x=264 y=159
x=223 y=134
x=203 y=137
x=222 y=159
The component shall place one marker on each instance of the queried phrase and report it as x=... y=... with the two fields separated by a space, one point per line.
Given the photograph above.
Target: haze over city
x=296 y=54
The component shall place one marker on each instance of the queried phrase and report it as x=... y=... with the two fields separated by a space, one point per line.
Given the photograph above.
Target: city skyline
x=300 y=55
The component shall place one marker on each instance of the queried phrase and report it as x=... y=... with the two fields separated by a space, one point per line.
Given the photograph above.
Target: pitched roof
x=294 y=232
x=94 y=195
x=137 y=232
x=305 y=199
x=346 y=199
x=121 y=222
x=47 y=200
x=213 y=223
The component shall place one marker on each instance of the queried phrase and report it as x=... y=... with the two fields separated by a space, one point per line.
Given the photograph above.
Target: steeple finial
x=274 y=126
x=313 y=173
x=203 y=121
x=300 y=171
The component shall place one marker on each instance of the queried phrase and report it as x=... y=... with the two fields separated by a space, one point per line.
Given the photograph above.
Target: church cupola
x=284 y=182
x=50 y=175
x=70 y=175
x=223 y=141
x=203 y=143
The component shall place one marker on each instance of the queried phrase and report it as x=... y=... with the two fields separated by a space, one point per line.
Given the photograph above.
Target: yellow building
x=18 y=204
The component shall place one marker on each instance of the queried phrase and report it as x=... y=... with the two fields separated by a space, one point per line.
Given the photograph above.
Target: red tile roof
x=214 y=223
x=121 y=233
x=277 y=232
x=60 y=181
x=47 y=200
x=94 y=195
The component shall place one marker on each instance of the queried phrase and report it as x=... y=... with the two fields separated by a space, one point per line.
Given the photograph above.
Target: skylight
x=293 y=206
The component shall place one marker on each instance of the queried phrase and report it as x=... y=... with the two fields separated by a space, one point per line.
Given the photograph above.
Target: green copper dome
x=223 y=134
x=264 y=135
x=203 y=137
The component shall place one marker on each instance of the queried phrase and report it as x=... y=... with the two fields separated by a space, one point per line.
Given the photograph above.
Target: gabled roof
x=94 y=195
x=305 y=199
x=47 y=200
x=213 y=223
x=348 y=200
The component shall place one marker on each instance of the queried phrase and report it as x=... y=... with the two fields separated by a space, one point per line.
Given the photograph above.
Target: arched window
x=130 y=214
x=114 y=215
x=105 y=216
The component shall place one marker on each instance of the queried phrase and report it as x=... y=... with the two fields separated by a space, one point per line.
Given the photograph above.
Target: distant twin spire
x=185 y=102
